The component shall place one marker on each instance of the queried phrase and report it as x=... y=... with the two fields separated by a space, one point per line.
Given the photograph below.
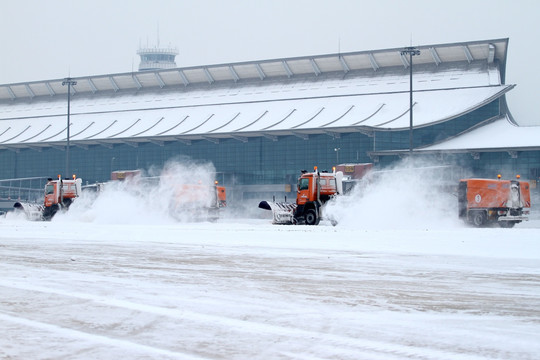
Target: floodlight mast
x=69 y=82
x=411 y=51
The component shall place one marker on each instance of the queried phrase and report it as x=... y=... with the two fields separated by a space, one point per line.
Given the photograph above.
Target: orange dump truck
x=483 y=202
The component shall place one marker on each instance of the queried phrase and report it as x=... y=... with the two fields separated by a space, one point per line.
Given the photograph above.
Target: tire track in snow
x=70 y=333
x=354 y=344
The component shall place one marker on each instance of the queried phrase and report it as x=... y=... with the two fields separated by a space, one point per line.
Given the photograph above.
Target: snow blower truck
x=186 y=201
x=314 y=190
x=484 y=202
x=197 y=202
x=59 y=195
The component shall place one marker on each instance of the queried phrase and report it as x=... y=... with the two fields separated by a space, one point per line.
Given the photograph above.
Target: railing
x=170 y=51
x=26 y=189
x=152 y=65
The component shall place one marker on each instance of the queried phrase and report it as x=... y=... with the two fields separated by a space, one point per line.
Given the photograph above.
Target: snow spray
x=408 y=196
x=158 y=196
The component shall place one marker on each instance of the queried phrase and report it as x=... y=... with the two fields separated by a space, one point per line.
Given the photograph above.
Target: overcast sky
x=52 y=39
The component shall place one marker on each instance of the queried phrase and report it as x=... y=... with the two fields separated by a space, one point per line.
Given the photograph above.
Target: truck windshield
x=49 y=189
x=303 y=184
x=332 y=183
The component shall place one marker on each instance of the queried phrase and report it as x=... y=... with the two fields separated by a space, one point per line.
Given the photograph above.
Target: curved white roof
x=499 y=135
x=360 y=100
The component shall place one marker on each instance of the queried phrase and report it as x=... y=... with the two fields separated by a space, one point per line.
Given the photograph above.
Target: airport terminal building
x=261 y=122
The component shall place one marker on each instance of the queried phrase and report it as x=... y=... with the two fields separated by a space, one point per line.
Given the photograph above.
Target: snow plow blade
x=282 y=212
x=33 y=212
x=264 y=205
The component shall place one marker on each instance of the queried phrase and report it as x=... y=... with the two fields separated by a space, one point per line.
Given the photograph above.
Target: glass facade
x=258 y=161
x=396 y=140
x=262 y=160
x=158 y=57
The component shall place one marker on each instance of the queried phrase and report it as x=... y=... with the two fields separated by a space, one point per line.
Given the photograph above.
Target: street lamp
x=411 y=51
x=69 y=82
x=337 y=155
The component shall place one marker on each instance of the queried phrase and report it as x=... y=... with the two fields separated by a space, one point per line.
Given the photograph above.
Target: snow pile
x=180 y=191
x=409 y=196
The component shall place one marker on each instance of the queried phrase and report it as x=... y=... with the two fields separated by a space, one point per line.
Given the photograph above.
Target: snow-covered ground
x=246 y=289
x=109 y=281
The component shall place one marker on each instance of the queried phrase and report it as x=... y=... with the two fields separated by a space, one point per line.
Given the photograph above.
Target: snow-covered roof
x=339 y=95
x=499 y=135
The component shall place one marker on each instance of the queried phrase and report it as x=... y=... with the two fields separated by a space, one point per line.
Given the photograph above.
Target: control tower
x=157 y=58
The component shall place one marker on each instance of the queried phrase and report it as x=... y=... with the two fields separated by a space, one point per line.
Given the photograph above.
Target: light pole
x=337 y=155
x=69 y=82
x=411 y=51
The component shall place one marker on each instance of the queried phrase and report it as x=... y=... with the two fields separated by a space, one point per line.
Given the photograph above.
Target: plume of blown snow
x=409 y=196
x=179 y=191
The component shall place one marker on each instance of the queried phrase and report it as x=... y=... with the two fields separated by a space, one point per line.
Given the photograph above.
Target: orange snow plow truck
x=483 y=202
x=315 y=189
x=199 y=201
x=191 y=201
x=59 y=195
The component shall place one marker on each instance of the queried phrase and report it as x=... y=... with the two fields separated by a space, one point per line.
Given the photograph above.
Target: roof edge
x=306 y=57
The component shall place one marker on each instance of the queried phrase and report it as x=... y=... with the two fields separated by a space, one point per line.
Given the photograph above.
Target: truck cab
x=59 y=194
x=313 y=191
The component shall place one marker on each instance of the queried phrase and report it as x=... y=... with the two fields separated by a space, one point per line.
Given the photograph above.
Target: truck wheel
x=49 y=212
x=311 y=217
x=213 y=215
x=478 y=218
